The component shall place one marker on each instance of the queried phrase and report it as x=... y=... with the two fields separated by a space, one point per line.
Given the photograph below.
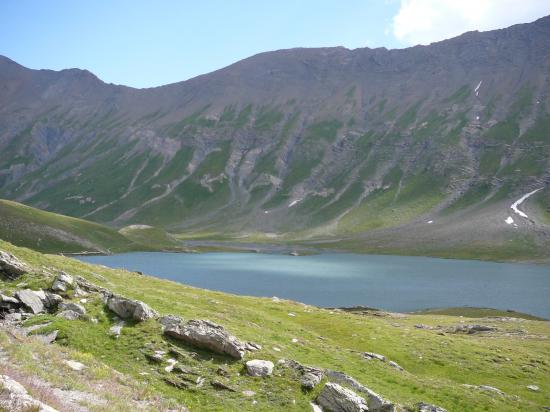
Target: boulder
x=63 y=282
x=52 y=301
x=34 y=300
x=395 y=365
x=426 y=407
x=130 y=309
x=74 y=307
x=375 y=402
x=203 y=334
x=11 y=267
x=258 y=367
x=311 y=376
x=15 y=398
x=335 y=398
x=371 y=355
x=69 y=315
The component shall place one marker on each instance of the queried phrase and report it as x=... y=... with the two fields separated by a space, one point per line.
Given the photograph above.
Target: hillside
x=498 y=365
x=53 y=233
x=363 y=144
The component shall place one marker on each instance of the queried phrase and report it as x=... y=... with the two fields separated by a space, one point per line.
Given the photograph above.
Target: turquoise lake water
x=395 y=283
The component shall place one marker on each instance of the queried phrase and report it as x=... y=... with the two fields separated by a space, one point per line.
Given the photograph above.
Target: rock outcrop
x=15 y=398
x=62 y=283
x=426 y=407
x=11 y=267
x=374 y=401
x=130 y=309
x=33 y=300
x=258 y=367
x=204 y=334
x=335 y=398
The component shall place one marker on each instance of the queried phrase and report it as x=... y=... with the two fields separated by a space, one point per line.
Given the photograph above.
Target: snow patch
x=476 y=90
x=294 y=202
x=430 y=222
x=518 y=203
x=509 y=220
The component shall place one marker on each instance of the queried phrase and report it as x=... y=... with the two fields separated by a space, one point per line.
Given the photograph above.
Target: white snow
x=476 y=90
x=509 y=220
x=430 y=222
x=266 y=211
x=518 y=202
x=294 y=202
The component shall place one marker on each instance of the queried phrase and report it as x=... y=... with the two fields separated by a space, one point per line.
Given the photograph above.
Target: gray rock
x=311 y=376
x=13 y=317
x=69 y=315
x=71 y=306
x=203 y=334
x=371 y=355
x=533 y=388
x=116 y=329
x=426 y=407
x=52 y=301
x=130 y=309
x=15 y=398
x=375 y=402
x=49 y=337
x=9 y=300
x=258 y=367
x=335 y=398
x=395 y=365
x=11 y=267
x=252 y=347
x=63 y=282
x=34 y=300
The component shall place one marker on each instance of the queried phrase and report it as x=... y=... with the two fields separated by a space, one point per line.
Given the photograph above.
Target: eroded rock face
x=258 y=367
x=34 y=300
x=204 y=334
x=10 y=266
x=335 y=398
x=130 y=309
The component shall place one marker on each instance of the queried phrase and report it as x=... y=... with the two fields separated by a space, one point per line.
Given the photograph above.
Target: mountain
x=364 y=145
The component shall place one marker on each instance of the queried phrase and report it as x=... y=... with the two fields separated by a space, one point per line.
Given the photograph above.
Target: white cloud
x=426 y=21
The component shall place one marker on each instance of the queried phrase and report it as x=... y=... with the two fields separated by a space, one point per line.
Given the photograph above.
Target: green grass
x=436 y=366
x=155 y=237
x=472 y=312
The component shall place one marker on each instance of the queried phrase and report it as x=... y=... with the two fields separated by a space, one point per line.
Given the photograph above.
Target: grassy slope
x=436 y=365
x=50 y=232
x=151 y=235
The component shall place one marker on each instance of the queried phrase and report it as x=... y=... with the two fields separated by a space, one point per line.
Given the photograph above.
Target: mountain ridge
x=299 y=140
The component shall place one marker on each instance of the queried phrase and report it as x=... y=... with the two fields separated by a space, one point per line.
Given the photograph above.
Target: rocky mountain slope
x=316 y=142
x=82 y=337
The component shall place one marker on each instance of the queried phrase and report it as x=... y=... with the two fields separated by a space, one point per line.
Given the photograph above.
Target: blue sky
x=149 y=43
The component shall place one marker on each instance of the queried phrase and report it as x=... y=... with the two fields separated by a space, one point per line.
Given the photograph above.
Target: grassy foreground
x=436 y=363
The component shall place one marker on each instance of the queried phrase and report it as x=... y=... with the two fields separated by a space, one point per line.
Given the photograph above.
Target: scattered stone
x=426 y=407
x=252 y=347
x=222 y=386
x=171 y=363
x=62 y=283
x=291 y=314
x=75 y=307
x=177 y=383
x=258 y=367
x=422 y=326
x=471 y=329
x=375 y=402
x=89 y=287
x=486 y=388
x=13 y=317
x=204 y=334
x=69 y=315
x=222 y=372
x=15 y=398
x=371 y=355
x=311 y=376
x=294 y=340
x=249 y=393
x=74 y=365
x=533 y=388
x=11 y=267
x=9 y=300
x=48 y=338
x=156 y=357
x=116 y=329
x=52 y=301
x=276 y=349
x=31 y=299
x=275 y=299
x=395 y=365
x=130 y=309
x=336 y=398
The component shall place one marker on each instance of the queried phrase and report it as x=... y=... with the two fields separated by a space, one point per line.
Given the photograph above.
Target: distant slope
x=49 y=232
x=149 y=235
